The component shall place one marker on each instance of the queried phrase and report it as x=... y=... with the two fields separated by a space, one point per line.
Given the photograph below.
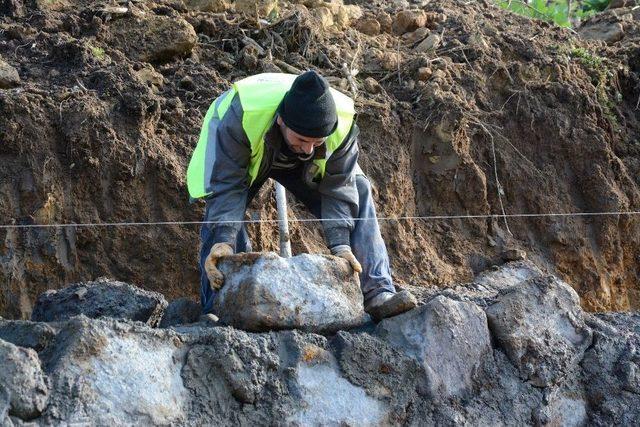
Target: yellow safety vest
x=260 y=96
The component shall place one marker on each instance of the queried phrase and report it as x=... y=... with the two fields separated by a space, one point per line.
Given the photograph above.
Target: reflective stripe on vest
x=260 y=96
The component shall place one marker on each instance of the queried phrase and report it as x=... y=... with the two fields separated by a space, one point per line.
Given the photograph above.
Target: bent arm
x=231 y=154
x=339 y=195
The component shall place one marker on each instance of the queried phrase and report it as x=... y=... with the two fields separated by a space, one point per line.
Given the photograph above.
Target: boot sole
x=400 y=303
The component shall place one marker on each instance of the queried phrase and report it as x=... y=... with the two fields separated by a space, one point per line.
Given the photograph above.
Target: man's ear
x=279 y=121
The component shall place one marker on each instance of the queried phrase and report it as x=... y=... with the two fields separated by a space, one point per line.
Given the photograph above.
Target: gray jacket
x=229 y=180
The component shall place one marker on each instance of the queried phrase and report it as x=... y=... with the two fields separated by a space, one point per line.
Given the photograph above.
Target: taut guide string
x=275 y=221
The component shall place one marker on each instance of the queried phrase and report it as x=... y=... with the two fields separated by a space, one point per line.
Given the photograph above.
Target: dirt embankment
x=464 y=109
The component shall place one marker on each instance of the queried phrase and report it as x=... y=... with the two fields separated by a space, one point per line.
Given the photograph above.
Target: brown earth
x=100 y=121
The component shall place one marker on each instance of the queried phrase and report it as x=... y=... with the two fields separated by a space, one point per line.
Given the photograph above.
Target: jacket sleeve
x=228 y=174
x=338 y=192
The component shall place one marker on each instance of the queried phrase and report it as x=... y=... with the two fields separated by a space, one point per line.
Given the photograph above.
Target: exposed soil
x=101 y=123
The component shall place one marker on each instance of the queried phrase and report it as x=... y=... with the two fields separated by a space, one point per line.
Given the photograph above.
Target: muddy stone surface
x=110 y=102
x=440 y=364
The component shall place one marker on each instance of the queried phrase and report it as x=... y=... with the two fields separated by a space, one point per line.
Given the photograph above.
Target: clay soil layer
x=464 y=109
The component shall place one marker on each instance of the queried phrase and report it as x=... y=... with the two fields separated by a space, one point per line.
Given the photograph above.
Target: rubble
x=439 y=364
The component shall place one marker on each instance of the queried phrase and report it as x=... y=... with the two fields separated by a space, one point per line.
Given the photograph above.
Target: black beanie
x=308 y=107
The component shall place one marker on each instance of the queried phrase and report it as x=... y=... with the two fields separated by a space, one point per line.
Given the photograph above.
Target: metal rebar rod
x=283 y=221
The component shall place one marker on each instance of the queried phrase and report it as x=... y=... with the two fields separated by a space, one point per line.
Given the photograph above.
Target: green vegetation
x=601 y=78
x=97 y=52
x=587 y=58
x=564 y=13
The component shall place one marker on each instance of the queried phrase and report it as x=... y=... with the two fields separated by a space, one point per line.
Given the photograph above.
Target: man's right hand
x=210 y=265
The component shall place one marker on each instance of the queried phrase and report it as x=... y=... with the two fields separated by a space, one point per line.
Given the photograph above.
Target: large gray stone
x=329 y=399
x=263 y=292
x=541 y=327
x=102 y=298
x=611 y=369
x=106 y=372
x=450 y=339
x=23 y=382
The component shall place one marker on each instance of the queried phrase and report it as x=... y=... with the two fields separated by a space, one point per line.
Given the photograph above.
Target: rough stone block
x=107 y=372
x=314 y=293
x=541 y=327
x=102 y=298
x=23 y=382
x=450 y=339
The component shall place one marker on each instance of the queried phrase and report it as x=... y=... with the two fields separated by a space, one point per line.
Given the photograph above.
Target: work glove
x=344 y=252
x=210 y=265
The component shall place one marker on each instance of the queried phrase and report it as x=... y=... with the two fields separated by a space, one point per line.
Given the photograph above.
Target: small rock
x=371 y=85
x=368 y=26
x=180 y=312
x=609 y=33
x=8 y=76
x=424 y=73
x=187 y=83
x=22 y=378
x=256 y=8
x=249 y=55
x=325 y=17
x=450 y=339
x=615 y=4
x=415 y=36
x=81 y=292
x=343 y=84
x=150 y=77
x=385 y=21
x=390 y=61
x=264 y=292
x=550 y=335
x=439 y=76
x=153 y=38
x=215 y=6
x=209 y=319
x=408 y=20
x=103 y=298
x=430 y=43
x=513 y=255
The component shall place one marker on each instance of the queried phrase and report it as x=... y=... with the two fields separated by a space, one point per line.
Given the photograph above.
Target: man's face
x=299 y=144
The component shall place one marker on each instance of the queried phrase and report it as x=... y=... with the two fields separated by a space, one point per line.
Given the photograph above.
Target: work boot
x=209 y=319
x=388 y=304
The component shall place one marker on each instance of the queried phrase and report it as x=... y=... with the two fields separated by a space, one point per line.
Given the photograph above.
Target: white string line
x=274 y=221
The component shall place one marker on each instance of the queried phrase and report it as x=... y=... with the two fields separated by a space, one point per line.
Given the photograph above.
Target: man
x=300 y=132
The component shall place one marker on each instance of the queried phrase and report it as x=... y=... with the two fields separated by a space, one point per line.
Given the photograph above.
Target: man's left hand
x=345 y=253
